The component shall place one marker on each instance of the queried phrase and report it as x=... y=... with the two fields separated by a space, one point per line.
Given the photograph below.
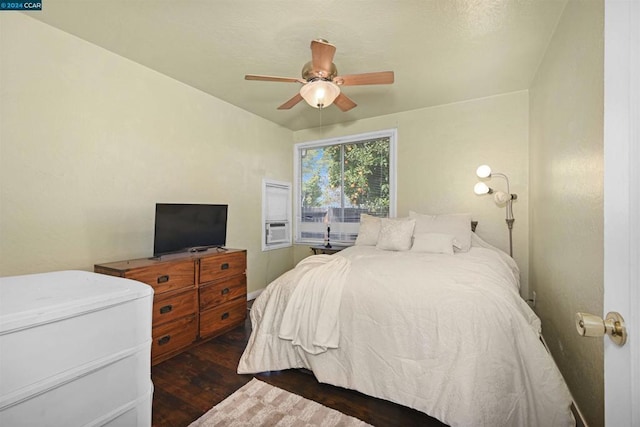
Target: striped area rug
x=260 y=404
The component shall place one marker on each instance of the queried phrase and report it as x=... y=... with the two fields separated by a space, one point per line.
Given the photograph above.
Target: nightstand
x=327 y=251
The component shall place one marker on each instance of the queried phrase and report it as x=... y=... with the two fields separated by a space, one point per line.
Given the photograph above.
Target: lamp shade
x=481 y=188
x=483 y=171
x=320 y=93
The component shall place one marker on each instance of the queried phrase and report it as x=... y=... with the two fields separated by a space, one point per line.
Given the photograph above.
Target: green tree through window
x=364 y=179
x=338 y=181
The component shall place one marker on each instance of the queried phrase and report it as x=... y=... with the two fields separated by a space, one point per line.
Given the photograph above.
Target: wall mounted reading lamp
x=499 y=197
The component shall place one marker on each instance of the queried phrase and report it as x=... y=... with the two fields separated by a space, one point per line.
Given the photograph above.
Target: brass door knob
x=590 y=325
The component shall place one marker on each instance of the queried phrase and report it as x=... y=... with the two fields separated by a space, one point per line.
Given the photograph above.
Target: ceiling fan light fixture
x=320 y=93
x=321 y=82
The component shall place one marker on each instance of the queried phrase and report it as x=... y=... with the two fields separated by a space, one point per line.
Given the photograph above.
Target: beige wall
x=90 y=141
x=439 y=149
x=566 y=165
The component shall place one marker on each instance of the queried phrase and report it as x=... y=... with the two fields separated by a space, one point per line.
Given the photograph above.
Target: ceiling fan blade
x=322 y=56
x=290 y=103
x=379 y=78
x=273 y=79
x=344 y=102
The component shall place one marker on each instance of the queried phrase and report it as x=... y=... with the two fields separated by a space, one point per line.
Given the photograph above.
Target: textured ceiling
x=441 y=51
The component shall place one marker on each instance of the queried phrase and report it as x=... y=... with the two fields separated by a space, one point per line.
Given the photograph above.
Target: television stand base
x=199 y=249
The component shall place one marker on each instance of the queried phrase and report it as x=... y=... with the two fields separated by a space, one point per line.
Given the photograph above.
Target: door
x=622 y=207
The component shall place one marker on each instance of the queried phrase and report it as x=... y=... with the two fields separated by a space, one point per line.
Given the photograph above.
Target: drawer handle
x=225 y=291
x=163 y=279
x=164 y=340
x=166 y=309
x=224 y=316
x=224 y=266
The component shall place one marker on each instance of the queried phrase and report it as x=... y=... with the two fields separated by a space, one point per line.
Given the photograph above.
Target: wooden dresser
x=197 y=295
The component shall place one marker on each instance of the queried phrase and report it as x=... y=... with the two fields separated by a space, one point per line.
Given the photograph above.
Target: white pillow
x=434 y=243
x=459 y=225
x=369 y=230
x=395 y=234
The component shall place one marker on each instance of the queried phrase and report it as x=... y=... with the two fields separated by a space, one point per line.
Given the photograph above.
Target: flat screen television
x=189 y=227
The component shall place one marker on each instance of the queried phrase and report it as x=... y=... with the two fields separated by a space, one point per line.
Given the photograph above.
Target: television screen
x=189 y=227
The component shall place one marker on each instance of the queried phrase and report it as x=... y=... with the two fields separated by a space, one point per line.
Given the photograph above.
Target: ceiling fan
x=321 y=82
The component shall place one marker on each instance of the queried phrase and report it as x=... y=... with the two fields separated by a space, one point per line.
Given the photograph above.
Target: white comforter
x=311 y=318
x=448 y=335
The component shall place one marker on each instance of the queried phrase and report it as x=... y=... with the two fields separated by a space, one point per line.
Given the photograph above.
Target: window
x=338 y=179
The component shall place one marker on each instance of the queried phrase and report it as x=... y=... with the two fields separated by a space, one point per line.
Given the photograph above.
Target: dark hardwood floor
x=189 y=384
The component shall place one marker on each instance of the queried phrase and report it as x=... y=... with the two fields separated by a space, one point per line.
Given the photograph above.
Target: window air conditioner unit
x=277 y=232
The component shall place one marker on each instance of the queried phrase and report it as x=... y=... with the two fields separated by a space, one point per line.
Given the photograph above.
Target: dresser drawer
x=223 y=266
x=222 y=317
x=174 y=336
x=167 y=308
x=166 y=277
x=216 y=293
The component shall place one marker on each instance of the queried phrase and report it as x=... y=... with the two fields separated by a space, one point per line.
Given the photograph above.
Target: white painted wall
x=90 y=141
x=439 y=149
x=566 y=209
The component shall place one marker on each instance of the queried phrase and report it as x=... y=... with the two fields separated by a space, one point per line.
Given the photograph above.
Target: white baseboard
x=255 y=294
x=580 y=421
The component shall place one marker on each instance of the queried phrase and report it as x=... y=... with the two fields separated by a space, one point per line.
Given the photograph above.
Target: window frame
x=392 y=134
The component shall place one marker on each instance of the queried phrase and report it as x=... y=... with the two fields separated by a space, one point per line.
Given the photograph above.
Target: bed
x=436 y=328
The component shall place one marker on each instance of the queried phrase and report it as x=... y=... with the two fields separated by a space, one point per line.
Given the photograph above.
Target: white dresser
x=75 y=350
